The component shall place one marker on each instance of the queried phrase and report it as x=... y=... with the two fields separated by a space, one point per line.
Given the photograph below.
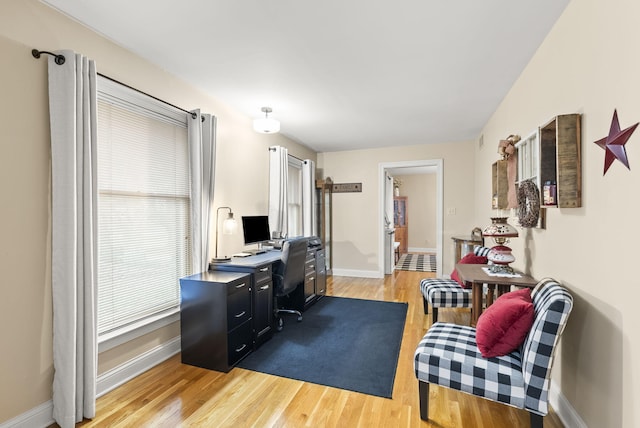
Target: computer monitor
x=256 y=229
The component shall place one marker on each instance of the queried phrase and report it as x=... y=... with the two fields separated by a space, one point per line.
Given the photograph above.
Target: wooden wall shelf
x=557 y=159
x=499 y=185
x=560 y=159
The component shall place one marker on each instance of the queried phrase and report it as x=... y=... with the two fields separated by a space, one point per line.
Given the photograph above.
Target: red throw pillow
x=469 y=259
x=503 y=327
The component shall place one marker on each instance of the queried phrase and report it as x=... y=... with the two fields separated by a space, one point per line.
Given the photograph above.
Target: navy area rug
x=341 y=342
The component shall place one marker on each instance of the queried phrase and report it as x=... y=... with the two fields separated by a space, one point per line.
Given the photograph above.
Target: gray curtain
x=309 y=222
x=72 y=106
x=278 y=194
x=202 y=149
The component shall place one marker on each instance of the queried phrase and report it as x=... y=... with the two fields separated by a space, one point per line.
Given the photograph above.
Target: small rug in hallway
x=417 y=262
x=341 y=342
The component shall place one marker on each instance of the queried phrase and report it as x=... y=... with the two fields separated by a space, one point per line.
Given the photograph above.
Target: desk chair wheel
x=279 y=323
x=299 y=318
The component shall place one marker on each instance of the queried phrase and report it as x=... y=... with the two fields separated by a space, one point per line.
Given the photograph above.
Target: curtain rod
x=295 y=157
x=60 y=59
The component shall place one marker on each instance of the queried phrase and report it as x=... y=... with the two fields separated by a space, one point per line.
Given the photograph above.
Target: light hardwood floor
x=173 y=394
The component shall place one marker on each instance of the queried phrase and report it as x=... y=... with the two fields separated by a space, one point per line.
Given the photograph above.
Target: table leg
x=503 y=288
x=476 y=303
x=490 y=291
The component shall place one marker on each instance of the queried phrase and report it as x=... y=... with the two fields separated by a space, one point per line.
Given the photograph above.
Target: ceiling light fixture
x=266 y=125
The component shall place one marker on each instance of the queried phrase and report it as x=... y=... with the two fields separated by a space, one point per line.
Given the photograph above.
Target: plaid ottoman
x=443 y=293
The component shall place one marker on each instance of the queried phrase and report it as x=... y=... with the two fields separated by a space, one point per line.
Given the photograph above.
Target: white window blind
x=294 y=196
x=143 y=207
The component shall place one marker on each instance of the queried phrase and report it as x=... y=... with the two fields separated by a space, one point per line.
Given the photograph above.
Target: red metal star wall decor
x=613 y=144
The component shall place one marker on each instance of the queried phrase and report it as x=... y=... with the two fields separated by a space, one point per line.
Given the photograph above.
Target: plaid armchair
x=448 y=356
x=446 y=293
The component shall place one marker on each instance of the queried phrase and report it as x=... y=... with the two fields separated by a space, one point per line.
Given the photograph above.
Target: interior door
x=389 y=231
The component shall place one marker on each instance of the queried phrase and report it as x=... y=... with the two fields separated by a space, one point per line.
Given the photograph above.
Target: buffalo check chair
x=446 y=293
x=449 y=356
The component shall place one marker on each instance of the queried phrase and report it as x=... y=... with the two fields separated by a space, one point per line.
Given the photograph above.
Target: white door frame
x=382 y=167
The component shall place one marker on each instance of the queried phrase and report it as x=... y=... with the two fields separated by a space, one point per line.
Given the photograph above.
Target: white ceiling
x=338 y=74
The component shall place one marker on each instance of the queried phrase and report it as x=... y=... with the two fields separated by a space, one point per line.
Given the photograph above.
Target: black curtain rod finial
x=60 y=59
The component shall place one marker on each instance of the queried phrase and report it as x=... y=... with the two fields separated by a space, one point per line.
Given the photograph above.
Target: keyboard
x=241 y=254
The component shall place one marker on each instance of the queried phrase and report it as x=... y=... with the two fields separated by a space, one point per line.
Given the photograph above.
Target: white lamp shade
x=266 y=125
x=229 y=226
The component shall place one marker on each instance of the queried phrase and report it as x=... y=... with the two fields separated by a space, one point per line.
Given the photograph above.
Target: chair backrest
x=290 y=271
x=552 y=305
x=480 y=250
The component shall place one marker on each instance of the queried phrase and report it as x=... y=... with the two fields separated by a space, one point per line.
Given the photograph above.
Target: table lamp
x=500 y=255
x=229 y=226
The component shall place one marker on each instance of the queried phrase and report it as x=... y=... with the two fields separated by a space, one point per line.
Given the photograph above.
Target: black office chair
x=289 y=275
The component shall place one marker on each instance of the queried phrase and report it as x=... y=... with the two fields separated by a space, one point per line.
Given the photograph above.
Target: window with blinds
x=294 y=196
x=143 y=207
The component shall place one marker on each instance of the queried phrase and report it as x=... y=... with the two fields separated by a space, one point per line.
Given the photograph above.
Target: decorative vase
x=396 y=191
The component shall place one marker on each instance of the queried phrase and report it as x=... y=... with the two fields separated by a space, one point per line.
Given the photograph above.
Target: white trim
x=564 y=409
x=438 y=164
x=120 y=95
x=421 y=250
x=357 y=273
x=125 y=334
x=123 y=373
x=40 y=416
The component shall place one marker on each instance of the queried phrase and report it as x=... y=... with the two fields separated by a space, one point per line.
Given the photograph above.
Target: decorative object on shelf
x=506 y=148
x=396 y=186
x=507 y=151
x=613 y=144
x=528 y=203
x=266 y=124
x=229 y=227
x=549 y=193
x=500 y=254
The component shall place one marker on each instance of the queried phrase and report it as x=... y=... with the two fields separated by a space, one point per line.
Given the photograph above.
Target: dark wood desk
x=260 y=269
x=476 y=276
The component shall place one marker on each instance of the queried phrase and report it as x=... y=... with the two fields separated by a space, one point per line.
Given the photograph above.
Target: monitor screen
x=255 y=229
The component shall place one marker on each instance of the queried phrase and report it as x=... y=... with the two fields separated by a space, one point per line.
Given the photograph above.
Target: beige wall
x=588 y=64
x=356 y=220
x=421 y=192
x=26 y=366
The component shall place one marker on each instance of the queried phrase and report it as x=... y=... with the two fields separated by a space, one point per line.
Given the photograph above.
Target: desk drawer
x=310 y=266
x=263 y=273
x=241 y=285
x=238 y=307
x=239 y=342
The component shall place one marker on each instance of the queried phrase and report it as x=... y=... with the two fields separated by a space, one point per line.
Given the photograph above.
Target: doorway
x=433 y=166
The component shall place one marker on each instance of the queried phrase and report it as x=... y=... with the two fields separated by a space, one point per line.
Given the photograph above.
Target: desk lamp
x=229 y=226
x=500 y=254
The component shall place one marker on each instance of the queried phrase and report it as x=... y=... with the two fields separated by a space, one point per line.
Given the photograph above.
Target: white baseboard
x=421 y=250
x=357 y=273
x=564 y=409
x=117 y=376
x=42 y=415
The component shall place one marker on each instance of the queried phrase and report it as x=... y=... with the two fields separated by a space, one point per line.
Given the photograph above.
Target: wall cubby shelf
x=560 y=159
x=499 y=186
x=552 y=154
